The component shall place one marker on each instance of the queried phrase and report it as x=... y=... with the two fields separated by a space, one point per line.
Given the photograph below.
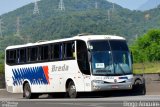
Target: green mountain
x=80 y=16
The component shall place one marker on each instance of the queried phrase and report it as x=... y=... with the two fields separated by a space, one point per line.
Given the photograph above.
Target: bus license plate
x=115 y=86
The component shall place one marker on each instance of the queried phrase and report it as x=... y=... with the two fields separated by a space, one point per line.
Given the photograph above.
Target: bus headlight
x=129 y=80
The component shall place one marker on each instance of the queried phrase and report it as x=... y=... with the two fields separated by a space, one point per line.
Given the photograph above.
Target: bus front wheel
x=139 y=87
x=71 y=91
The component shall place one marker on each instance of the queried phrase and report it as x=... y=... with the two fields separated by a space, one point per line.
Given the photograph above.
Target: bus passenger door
x=83 y=63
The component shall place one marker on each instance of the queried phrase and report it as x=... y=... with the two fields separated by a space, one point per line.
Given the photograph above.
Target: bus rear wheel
x=27 y=92
x=71 y=91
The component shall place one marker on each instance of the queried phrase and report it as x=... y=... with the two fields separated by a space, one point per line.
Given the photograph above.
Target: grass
x=1 y=80
x=1 y=69
x=147 y=67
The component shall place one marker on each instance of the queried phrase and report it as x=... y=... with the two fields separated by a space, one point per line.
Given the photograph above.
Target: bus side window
x=43 y=53
x=33 y=54
x=69 y=50
x=52 y=52
x=56 y=51
x=22 y=55
x=18 y=56
x=11 y=57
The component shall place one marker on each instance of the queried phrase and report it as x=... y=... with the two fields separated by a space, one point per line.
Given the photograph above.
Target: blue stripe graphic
x=35 y=75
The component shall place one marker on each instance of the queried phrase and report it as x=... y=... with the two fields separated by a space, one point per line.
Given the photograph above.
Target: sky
x=10 y=5
x=131 y=4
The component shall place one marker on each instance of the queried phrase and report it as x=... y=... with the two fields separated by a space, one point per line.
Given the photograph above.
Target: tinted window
x=56 y=51
x=69 y=50
x=43 y=53
x=82 y=57
x=21 y=55
x=118 y=45
x=99 y=45
x=11 y=56
x=105 y=45
x=32 y=54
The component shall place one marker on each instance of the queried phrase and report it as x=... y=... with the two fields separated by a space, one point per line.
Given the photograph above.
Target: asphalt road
x=117 y=99
x=81 y=103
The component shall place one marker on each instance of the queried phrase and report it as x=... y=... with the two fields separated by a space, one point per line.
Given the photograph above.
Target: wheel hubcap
x=27 y=91
x=72 y=91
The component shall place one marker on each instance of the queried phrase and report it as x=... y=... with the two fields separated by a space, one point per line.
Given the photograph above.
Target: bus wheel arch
x=71 y=89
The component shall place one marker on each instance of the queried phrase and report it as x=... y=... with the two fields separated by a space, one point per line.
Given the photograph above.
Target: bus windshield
x=110 y=57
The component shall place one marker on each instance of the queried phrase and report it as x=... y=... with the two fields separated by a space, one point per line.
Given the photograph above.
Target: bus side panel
x=60 y=72
x=44 y=77
x=11 y=85
x=77 y=76
x=35 y=74
x=87 y=82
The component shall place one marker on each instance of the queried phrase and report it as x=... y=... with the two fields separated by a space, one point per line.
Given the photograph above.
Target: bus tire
x=34 y=96
x=27 y=91
x=139 y=87
x=71 y=91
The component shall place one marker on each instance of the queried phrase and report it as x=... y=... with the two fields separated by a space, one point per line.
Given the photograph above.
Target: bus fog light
x=96 y=87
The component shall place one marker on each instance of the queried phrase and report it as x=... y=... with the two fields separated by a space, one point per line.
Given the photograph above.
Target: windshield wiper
x=121 y=69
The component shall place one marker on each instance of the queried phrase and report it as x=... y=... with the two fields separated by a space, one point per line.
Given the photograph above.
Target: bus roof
x=78 y=37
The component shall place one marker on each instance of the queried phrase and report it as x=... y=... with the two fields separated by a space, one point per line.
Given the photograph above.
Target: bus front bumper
x=111 y=86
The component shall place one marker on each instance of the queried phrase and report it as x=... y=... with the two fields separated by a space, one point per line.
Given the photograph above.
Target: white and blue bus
x=84 y=63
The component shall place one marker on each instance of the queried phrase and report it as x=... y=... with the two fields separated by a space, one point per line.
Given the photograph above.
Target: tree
x=147 y=47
